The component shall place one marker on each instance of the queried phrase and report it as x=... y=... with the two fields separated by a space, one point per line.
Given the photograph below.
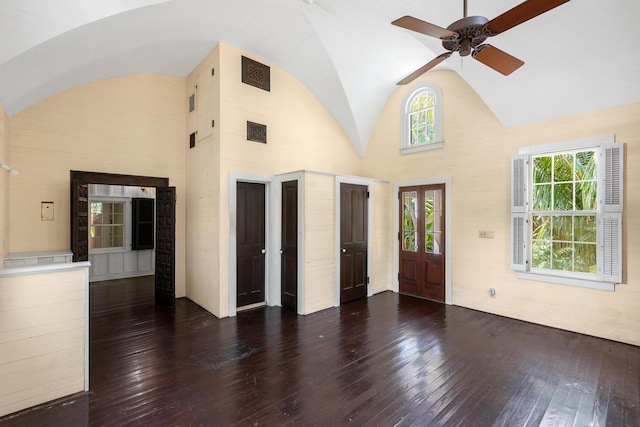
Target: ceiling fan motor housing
x=471 y=32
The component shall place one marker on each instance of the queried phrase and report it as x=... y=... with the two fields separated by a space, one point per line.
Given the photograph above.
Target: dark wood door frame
x=448 y=213
x=80 y=179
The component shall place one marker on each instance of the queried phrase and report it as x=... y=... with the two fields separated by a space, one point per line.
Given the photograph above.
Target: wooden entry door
x=289 y=249
x=250 y=243
x=422 y=241
x=165 y=277
x=353 y=242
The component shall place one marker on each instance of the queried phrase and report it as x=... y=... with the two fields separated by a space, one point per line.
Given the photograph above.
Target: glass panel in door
x=410 y=221
x=433 y=221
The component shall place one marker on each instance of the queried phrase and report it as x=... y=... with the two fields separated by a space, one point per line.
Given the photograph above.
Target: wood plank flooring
x=383 y=361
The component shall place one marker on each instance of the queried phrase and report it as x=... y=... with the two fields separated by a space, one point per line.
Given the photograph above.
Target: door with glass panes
x=422 y=242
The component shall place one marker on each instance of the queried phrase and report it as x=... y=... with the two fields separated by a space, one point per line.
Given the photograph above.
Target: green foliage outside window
x=564 y=211
x=422 y=118
x=409 y=222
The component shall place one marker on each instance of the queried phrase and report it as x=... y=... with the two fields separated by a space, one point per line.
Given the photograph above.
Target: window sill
x=592 y=284
x=422 y=147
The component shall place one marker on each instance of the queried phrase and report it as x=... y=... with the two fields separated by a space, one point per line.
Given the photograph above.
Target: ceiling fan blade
x=521 y=13
x=497 y=59
x=420 y=71
x=420 y=26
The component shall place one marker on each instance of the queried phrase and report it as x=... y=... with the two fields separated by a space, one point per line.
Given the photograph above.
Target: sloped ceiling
x=579 y=57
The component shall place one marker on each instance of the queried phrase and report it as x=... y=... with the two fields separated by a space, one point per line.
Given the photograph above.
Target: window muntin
x=563 y=221
x=422 y=119
x=410 y=221
x=106 y=230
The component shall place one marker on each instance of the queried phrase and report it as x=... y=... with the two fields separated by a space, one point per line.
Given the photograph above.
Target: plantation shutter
x=518 y=241
x=519 y=183
x=611 y=246
x=612 y=184
x=519 y=173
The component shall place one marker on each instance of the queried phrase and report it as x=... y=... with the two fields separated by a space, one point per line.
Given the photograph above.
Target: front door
x=422 y=243
x=353 y=242
x=289 y=249
x=250 y=243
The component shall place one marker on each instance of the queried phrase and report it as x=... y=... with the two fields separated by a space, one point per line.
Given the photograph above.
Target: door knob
x=264 y=251
x=344 y=251
x=281 y=251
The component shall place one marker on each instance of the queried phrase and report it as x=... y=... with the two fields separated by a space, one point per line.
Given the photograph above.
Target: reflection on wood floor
x=386 y=360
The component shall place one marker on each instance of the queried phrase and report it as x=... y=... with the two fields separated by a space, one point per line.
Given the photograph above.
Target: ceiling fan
x=467 y=35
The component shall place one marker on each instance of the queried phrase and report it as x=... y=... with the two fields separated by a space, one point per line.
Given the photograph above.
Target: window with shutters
x=567 y=213
x=422 y=118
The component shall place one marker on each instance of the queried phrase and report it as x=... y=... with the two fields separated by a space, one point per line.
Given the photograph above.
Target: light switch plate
x=46 y=211
x=486 y=234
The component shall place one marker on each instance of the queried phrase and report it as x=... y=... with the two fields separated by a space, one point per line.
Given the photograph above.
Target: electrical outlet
x=486 y=234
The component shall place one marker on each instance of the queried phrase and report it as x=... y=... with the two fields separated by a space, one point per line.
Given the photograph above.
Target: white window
x=422 y=119
x=106 y=225
x=567 y=213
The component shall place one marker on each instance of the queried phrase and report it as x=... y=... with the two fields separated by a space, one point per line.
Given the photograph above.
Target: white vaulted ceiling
x=579 y=57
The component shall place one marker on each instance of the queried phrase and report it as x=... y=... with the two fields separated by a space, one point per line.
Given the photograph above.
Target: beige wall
x=301 y=134
x=42 y=337
x=140 y=125
x=319 y=241
x=381 y=240
x=203 y=186
x=476 y=154
x=4 y=184
x=125 y=125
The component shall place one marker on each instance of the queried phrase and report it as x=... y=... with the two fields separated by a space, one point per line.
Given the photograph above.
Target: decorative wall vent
x=256 y=74
x=192 y=102
x=192 y=140
x=256 y=132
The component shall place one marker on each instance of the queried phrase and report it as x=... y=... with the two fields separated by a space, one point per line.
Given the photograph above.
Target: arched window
x=422 y=119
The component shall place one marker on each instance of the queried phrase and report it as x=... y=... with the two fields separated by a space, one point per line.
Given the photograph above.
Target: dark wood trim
x=79 y=208
x=117 y=179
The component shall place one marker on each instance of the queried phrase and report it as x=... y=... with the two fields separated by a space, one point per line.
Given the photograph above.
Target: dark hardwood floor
x=383 y=361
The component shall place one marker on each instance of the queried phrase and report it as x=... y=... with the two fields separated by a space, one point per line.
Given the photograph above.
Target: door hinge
x=398 y=277
x=368 y=280
x=398 y=235
x=367 y=194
